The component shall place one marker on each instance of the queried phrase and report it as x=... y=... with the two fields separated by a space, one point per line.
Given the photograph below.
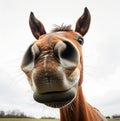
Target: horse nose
x=67 y=53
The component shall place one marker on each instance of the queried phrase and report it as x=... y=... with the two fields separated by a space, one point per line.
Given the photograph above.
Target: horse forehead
x=57 y=35
x=47 y=41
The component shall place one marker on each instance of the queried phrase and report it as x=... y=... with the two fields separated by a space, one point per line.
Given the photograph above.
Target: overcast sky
x=101 y=51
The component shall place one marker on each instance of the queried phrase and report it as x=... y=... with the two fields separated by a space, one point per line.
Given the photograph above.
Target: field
x=23 y=119
x=113 y=120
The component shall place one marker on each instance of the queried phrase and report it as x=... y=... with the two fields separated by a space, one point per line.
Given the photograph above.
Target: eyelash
x=80 y=40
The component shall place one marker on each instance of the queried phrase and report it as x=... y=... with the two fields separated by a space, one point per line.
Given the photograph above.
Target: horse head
x=53 y=63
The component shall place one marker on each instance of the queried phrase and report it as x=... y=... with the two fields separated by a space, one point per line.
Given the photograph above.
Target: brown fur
x=78 y=109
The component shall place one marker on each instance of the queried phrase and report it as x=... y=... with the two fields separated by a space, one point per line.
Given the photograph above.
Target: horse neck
x=80 y=110
x=76 y=111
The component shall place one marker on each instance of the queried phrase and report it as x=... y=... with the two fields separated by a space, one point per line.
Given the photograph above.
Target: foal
x=53 y=65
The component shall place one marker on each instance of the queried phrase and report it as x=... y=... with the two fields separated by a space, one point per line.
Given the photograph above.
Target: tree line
x=115 y=116
x=18 y=114
x=13 y=114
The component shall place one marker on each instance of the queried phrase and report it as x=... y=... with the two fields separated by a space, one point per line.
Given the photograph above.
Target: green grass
x=26 y=119
x=113 y=120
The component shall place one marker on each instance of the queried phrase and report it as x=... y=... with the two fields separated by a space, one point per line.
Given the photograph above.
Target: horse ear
x=83 y=23
x=36 y=26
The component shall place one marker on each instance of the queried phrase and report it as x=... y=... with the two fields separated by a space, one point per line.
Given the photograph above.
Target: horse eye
x=80 y=40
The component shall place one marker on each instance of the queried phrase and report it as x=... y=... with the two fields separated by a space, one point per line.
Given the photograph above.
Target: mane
x=62 y=28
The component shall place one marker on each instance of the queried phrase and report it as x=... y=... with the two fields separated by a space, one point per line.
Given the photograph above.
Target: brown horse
x=53 y=65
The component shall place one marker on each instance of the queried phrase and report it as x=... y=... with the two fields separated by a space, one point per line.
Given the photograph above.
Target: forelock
x=62 y=28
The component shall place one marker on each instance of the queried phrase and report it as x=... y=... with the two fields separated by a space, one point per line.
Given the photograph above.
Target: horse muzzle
x=56 y=99
x=53 y=88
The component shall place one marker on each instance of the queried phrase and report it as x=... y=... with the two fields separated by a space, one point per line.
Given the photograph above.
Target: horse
x=53 y=64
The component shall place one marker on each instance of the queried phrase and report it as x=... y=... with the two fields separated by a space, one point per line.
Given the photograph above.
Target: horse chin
x=58 y=104
x=56 y=99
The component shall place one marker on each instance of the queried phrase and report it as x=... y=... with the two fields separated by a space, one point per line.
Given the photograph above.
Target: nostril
x=35 y=51
x=67 y=53
x=29 y=58
x=59 y=48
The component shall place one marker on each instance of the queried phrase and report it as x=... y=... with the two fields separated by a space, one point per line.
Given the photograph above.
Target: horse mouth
x=57 y=99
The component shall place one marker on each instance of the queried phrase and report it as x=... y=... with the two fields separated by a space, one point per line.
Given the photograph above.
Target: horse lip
x=55 y=99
